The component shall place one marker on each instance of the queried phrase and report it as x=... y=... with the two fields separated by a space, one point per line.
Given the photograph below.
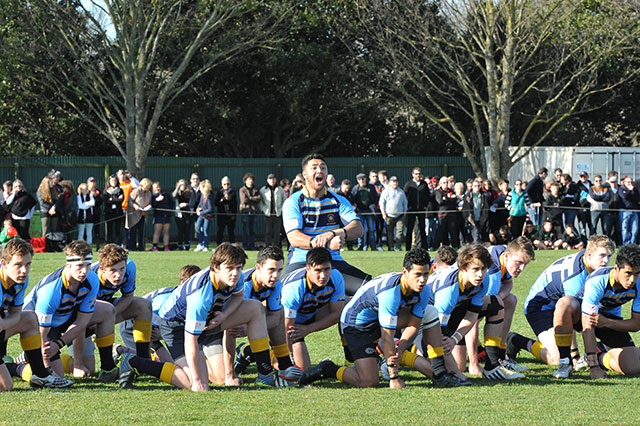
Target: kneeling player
x=508 y=263
x=553 y=308
x=15 y=264
x=263 y=283
x=380 y=307
x=460 y=295
x=605 y=291
x=66 y=306
x=313 y=298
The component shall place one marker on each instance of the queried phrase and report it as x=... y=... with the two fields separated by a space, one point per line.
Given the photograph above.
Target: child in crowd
x=546 y=238
x=8 y=232
x=571 y=239
x=529 y=231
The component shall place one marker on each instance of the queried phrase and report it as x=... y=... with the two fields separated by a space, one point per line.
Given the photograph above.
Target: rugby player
x=605 y=291
x=388 y=303
x=460 y=294
x=553 y=308
x=317 y=217
x=263 y=283
x=508 y=263
x=313 y=298
x=15 y=264
x=66 y=306
x=211 y=301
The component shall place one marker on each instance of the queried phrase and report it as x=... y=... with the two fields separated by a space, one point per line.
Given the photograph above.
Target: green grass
x=538 y=399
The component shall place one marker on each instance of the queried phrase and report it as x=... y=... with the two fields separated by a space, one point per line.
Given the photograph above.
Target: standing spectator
x=6 y=191
x=249 y=200
x=553 y=208
x=535 y=191
x=447 y=202
x=86 y=206
x=431 y=230
x=272 y=198
x=417 y=192
x=331 y=185
x=557 y=175
x=570 y=193
x=457 y=220
x=297 y=184
x=126 y=186
x=205 y=212
x=286 y=186
x=112 y=199
x=393 y=205
x=138 y=205
x=584 y=215
x=379 y=222
x=476 y=212
x=21 y=205
x=92 y=186
x=194 y=182
x=50 y=205
x=599 y=198
x=630 y=198
x=516 y=203
x=614 y=206
x=345 y=191
x=163 y=209
x=383 y=178
x=366 y=199
x=69 y=217
x=498 y=214
x=227 y=204
x=182 y=196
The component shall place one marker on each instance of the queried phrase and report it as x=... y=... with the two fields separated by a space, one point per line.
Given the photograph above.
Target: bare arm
x=199 y=378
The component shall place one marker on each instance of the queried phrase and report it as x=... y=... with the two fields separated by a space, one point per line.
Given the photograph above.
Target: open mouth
x=319 y=180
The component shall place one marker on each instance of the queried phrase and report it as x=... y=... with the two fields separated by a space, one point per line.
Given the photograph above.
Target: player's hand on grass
x=475 y=369
x=232 y=381
x=396 y=384
x=197 y=386
x=80 y=371
x=597 y=373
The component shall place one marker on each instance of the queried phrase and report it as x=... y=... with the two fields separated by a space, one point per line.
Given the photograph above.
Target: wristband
x=333 y=233
x=457 y=339
x=311 y=243
x=345 y=233
x=393 y=378
x=393 y=371
x=61 y=344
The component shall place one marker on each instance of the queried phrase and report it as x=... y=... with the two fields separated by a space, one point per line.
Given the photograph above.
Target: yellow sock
x=30 y=343
x=536 y=348
x=492 y=341
x=259 y=345
x=340 y=373
x=435 y=352
x=408 y=359
x=26 y=373
x=281 y=350
x=142 y=331
x=167 y=372
x=503 y=345
x=66 y=362
x=104 y=341
x=606 y=361
x=563 y=339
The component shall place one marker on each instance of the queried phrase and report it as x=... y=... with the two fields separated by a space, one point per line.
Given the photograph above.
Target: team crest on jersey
x=331 y=219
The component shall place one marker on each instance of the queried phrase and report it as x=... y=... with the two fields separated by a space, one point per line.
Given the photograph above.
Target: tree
x=494 y=74
x=124 y=62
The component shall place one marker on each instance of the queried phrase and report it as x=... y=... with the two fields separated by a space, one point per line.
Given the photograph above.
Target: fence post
x=445 y=169
x=16 y=170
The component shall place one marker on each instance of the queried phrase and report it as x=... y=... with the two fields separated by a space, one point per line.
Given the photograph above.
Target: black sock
x=437 y=364
x=106 y=358
x=146 y=366
x=13 y=369
x=34 y=357
x=284 y=362
x=564 y=351
x=263 y=361
x=143 y=349
x=247 y=353
x=493 y=356
x=330 y=370
x=521 y=342
x=503 y=353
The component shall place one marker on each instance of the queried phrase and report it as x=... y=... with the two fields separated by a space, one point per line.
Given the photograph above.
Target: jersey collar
x=256 y=286
x=102 y=280
x=503 y=267
x=3 y=280
x=65 y=281
x=585 y=264
x=403 y=287
x=460 y=284
x=309 y=285
x=611 y=280
x=212 y=277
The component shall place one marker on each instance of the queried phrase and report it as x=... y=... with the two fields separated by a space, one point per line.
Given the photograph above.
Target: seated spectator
x=546 y=238
x=529 y=231
x=571 y=239
x=503 y=237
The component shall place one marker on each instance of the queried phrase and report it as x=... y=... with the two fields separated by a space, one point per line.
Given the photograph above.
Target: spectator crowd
x=552 y=210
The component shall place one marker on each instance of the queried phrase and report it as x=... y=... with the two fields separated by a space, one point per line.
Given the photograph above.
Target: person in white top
x=393 y=205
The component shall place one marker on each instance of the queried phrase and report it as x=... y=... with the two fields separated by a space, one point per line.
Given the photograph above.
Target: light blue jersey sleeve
x=388 y=305
x=338 y=282
x=445 y=301
x=292 y=298
x=291 y=214
x=47 y=302
x=198 y=304
x=492 y=282
x=594 y=290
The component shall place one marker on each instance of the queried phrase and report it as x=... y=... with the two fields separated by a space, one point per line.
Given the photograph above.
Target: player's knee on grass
x=367 y=370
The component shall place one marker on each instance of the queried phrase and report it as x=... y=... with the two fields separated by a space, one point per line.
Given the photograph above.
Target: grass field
x=537 y=399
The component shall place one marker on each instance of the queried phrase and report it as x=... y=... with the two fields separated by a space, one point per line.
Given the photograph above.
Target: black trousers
x=412 y=217
x=272 y=232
